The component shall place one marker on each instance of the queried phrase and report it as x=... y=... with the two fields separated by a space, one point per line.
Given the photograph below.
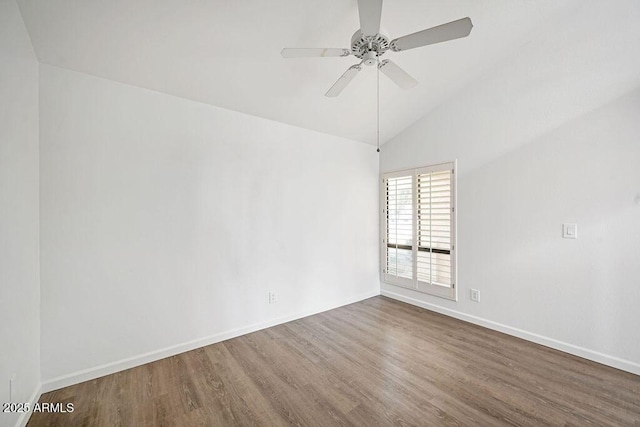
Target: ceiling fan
x=368 y=44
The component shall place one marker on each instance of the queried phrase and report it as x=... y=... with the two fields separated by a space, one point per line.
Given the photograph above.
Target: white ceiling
x=227 y=53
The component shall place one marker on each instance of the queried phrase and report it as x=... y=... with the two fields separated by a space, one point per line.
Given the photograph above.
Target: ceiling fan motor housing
x=368 y=48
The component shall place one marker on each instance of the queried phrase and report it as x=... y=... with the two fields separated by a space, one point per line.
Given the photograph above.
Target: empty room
x=318 y=213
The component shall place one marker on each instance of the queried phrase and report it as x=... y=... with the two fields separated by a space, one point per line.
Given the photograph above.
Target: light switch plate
x=570 y=231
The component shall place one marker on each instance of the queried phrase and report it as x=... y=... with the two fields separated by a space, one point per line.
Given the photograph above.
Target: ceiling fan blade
x=343 y=81
x=313 y=52
x=370 y=12
x=441 y=33
x=397 y=74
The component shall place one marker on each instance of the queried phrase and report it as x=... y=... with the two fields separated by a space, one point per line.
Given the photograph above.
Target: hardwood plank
x=376 y=362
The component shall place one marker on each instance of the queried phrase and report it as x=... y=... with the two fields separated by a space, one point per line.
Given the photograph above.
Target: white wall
x=166 y=222
x=19 y=267
x=549 y=136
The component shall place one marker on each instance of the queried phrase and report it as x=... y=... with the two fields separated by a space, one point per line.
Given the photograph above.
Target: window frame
x=447 y=292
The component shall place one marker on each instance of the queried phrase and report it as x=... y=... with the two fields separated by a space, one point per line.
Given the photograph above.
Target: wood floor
x=376 y=362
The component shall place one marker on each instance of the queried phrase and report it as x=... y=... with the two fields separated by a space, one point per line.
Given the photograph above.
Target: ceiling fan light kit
x=368 y=44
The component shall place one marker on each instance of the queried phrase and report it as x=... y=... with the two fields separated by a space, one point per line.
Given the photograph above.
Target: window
x=418 y=240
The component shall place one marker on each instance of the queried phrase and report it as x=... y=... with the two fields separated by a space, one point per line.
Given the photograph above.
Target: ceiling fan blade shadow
x=314 y=52
x=343 y=81
x=370 y=12
x=397 y=74
x=442 y=33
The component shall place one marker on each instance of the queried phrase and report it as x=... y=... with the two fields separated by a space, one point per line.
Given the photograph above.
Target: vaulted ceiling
x=227 y=53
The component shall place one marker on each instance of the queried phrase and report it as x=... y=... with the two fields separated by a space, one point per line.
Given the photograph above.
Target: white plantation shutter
x=419 y=229
x=399 y=230
x=434 y=228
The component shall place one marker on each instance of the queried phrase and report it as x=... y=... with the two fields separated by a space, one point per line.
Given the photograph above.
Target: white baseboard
x=35 y=396
x=131 y=362
x=605 y=359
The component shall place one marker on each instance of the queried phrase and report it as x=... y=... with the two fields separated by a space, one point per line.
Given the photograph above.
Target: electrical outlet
x=570 y=231
x=272 y=298
x=475 y=295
